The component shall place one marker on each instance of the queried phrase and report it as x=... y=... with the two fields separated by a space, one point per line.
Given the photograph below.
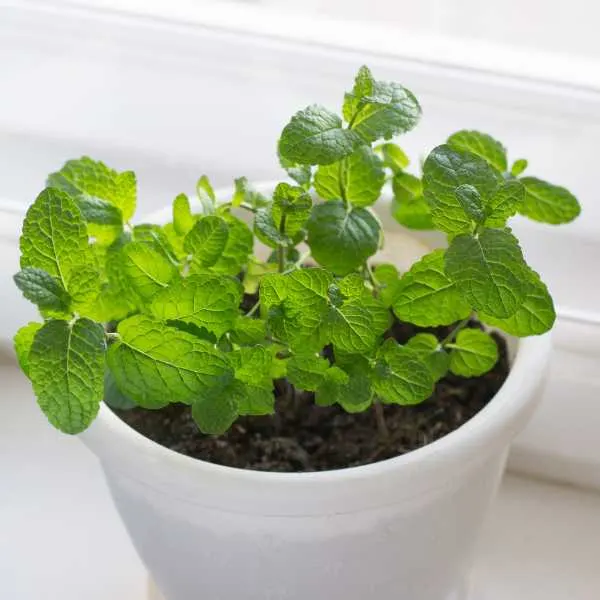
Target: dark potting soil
x=301 y=436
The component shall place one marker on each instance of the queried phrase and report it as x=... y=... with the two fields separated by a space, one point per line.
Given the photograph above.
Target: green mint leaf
x=113 y=395
x=205 y=192
x=291 y=208
x=471 y=202
x=217 y=408
x=401 y=376
x=353 y=286
x=206 y=241
x=482 y=145
x=427 y=346
x=444 y=170
x=342 y=240
x=255 y=271
x=154 y=364
x=393 y=156
x=104 y=220
x=380 y=109
x=183 y=219
x=427 y=297
x=489 y=271
x=257 y=400
x=349 y=387
x=154 y=236
x=331 y=387
x=86 y=179
x=389 y=280
x=239 y=247
x=301 y=174
x=518 y=167
x=535 y=315
x=548 y=203
x=315 y=136
x=505 y=203
x=66 y=367
x=248 y=331
x=473 y=353
x=252 y=365
x=307 y=372
x=358 y=178
x=55 y=240
x=210 y=301
x=355 y=326
x=147 y=270
x=42 y=289
x=409 y=206
x=22 y=342
x=363 y=87
x=267 y=231
x=244 y=192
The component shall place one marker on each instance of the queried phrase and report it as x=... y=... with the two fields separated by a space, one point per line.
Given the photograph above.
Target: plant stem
x=281 y=258
x=298 y=263
x=253 y=309
x=382 y=427
x=374 y=282
x=450 y=337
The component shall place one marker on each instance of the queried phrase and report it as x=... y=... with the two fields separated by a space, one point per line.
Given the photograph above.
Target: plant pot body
x=401 y=529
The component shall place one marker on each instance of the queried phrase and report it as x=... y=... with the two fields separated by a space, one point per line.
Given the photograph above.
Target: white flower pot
x=401 y=529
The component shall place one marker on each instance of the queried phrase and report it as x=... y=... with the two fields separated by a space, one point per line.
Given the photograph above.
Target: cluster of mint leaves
x=147 y=315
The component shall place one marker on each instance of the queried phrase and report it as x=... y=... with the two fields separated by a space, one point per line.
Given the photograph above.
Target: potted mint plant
x=195 y=370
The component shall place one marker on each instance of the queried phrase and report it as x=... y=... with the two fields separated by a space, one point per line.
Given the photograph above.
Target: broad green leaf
x=267 y=231
x=427 y=346
x=104 y=220
x=154 y=364
x=473 y=353
x=393 y=156
x=248 y=331
x=55 y=240
x=388 y=279
x=358 y=178
x=446 y=169
x=147 y=270
x=154 y=236
x=535 y=315
x=206 y=194
x=207 y=240
x=183 y=219
x=238 y=249
x=427 y=297
x=489 y=271
x=380 y=109
x=257 y=400
x=85 y=179
x=356 y=326
x=255 y=271
x=518 y=167
x=252 y=364
x=245 y=192
x=307 y=372
x=482 y=145
x=315 y=136
x=342 y=240
x=217 y=408
x=66 y=368
x=548 y=203
x=175 y=241
x=22 y=342
x=331 y=388
x=291 y=208
x=409 y=206
x=301 y=174
x=363 y=87
x=113 y=395
x=504 y=203
x=471 y=202
x=401 y=376
x=210 y=301
x=42 y=289
x=353 y=286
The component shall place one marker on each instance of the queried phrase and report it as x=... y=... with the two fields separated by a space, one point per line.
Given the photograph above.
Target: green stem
x=298 y=263
x=450 y=337
x=382 y=427
x=281 y=258
x=253 y=309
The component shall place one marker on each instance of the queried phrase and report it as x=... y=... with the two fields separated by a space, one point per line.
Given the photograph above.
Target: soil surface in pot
x=304 y=437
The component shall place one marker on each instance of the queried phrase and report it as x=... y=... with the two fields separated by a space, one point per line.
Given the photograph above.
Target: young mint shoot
x=153 y=314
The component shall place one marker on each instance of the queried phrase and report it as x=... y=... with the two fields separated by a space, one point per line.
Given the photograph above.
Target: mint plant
x=147 y=315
